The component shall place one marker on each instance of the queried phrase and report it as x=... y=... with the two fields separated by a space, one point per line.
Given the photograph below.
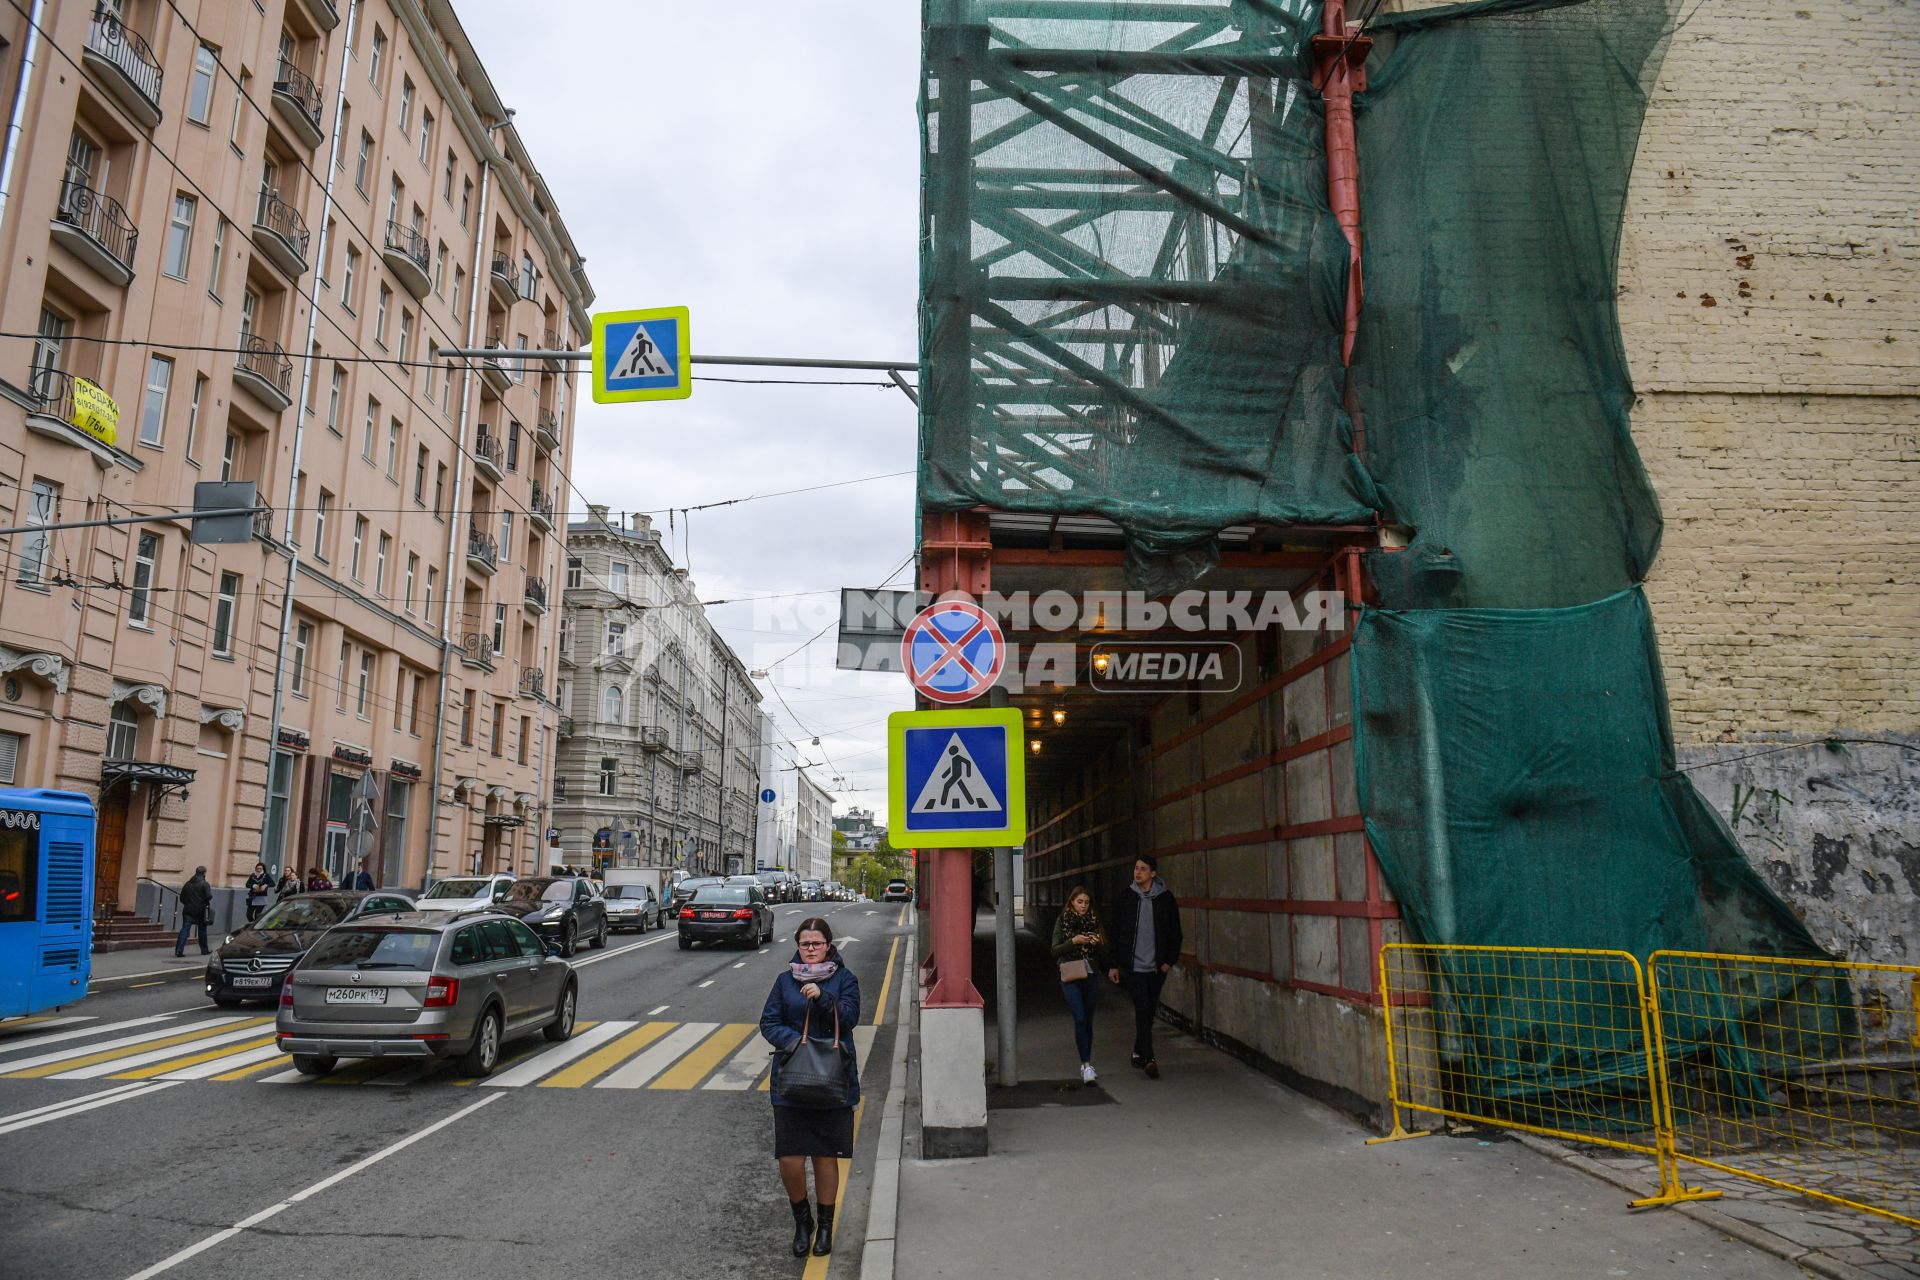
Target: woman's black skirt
x=811 y=1131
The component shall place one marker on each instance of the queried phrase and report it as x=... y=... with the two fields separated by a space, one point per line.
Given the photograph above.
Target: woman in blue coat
x=817 y=984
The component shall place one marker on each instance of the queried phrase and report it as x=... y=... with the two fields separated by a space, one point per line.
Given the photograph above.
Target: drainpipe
x=299 y=437
x=478 y=281
x=14 y=126
x=1338 y=57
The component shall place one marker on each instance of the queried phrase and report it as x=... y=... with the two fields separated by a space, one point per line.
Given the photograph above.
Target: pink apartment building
x=256 y=226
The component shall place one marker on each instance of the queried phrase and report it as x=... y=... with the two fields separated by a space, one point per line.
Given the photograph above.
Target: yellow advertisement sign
x=94 y=411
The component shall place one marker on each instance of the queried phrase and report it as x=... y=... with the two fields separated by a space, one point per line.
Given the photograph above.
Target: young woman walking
x=1080 y=948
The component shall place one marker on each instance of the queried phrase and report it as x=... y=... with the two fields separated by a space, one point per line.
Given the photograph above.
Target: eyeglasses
x=813 y=944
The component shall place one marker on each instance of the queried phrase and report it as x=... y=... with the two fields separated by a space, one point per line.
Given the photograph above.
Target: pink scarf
x=805 y=973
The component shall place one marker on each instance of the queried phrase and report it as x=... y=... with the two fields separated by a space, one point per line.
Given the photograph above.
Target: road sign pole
x=1004 y=1006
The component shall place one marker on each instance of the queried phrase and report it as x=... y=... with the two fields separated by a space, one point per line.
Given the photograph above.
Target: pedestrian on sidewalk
x=259 y=885
x=1145 y=945
x=1080 y=948
x=363 y=878
x=317 y=880
x=289 y=883
x=196 y=911
x=805 y=1000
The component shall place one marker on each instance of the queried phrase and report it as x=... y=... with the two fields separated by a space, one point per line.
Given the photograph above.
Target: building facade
x=861 y=832
x=659 y=760
x=813 y=829
x=255 y=227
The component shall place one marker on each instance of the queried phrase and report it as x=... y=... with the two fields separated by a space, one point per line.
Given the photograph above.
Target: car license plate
x=356 y=995
x=712 y=915
x=262 y=981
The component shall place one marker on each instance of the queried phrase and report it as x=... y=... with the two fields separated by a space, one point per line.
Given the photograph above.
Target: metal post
x=1004 y=1006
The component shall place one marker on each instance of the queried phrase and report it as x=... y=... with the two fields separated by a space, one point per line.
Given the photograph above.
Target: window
x=520 y=366
x=140 y=599
x=420 y=476
x=413 y=573
x=440 y=270
x=513 y=446
x=48 y=346
x=526 y=732
x=399 y=696
x=560 y=789
x=359 y=544
x=223 y=614
x=608 y=766
x=336 y=392
x=363 y=693
x=200 y=88
x=426 y=603
x=616 y=636
x=347 y=277
x=328 y=235
x=406 y=341
x=529 y=276
x=446 y=394
x=239 y=111
x=426 y=137
x=153 y=403
x=368 y=428
x=378 y=56
x=613 y=706
x=433 y=367
x=322 y=509
x=249 y=312
x=179 y=236
x=380 y=564
x=219 y=250
x=231 y=455
x=566 y=633
x=439 y=486
x=446 y=184
x=499 y=629
x=499 y=724
x=279 y=795
x=302 y=646
x=617 y=575
x=396 y=192
x=506 y=532
x=399 y=800
x=193 y=414
x=459 y=287
x=380 y=315
x=406 y=105
x=574 y=571
x=340 y=678
x=123 y=732
x=393 y=448
x=363 y=162
x=466 y=198
x=413 y=706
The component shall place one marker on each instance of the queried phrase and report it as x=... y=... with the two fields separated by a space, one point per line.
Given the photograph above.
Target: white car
x=459 y=893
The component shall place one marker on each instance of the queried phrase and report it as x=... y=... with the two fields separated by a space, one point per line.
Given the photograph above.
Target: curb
x=883 y=1201
x=1745 y=1232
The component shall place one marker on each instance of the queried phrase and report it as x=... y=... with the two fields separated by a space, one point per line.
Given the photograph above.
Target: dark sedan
x=251 y=963
x=564 y=909
x=683 y=892
x=727 y=913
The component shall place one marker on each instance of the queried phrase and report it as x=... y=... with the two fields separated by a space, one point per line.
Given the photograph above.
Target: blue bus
x=46 y=899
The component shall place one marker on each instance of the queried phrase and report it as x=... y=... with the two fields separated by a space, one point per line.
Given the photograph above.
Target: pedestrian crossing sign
x=641 y=355
x=956 y=779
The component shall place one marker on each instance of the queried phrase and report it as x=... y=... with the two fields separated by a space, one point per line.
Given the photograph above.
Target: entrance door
x=339 y=810
x=109 y=842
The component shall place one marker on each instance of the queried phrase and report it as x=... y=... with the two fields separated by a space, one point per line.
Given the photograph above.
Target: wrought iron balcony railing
x=481 y=546
x=299 y=86
x=268 y=361
x=402 y=238
x=110 y=38
x=537 y=594
x=281 y=218
x=101 y=218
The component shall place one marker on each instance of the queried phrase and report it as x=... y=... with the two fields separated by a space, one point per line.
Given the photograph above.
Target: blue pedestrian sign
x=766 y=795
x=641 y=355
x=956 y=779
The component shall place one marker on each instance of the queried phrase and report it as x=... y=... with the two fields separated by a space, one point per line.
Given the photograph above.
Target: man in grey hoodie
x=1146 y=945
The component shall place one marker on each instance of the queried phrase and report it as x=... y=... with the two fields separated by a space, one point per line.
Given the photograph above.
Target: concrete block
x=1316 y=950
x=1312 y=876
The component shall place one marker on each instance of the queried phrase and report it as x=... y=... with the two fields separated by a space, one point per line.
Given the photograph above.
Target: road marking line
x=62 y=1059
x=707 y=983
x=222 y=1068
x=253 y=1068
x=89 y=1103
x=744 y=1068
x=179 y=971
x=619 y=1051
x=692 y=1069
x=195 y=1250
x=64 y=1103
x=740 y=964
x=886 y=984
x=817 y=1266
x=34 y=1042
x=219 y=1057
x=611 y=952
x=637 y=1073
x=136 y=986
x=863 y=1043
x=654 y=1013
x=559 y=1056
x=159 y=1053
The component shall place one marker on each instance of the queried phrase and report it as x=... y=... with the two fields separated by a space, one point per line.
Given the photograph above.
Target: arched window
x=613 y=706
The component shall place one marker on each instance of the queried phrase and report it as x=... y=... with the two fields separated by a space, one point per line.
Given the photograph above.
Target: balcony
x=493 y=369
x=297 y=99
x=505 y=281
x=566 y=726
x=540 y=509
x=476 y=649
x=533 y=683
x=489 y=455
x=546 y=429
x=692 y=762
x=52 y=414
x=281 y=233
x=536 y=596
x=124 y=65
x=96 y=230
x=653 y=738
x=264 y=372
x=406 y=255
x=483 y=553
x=323 y=12
x=551 y=341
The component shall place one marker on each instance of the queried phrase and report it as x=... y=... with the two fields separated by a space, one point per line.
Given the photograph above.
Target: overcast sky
x=762 y=171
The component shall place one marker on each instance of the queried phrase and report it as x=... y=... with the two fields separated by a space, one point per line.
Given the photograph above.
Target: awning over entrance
x=162 y=778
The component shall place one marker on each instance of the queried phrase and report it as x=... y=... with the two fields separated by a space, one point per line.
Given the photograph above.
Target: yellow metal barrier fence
x=1799 y=1074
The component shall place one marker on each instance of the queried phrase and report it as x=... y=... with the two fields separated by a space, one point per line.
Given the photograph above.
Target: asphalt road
x=159 y=1136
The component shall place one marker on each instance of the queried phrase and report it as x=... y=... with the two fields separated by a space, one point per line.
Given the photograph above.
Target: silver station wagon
x=421 y=985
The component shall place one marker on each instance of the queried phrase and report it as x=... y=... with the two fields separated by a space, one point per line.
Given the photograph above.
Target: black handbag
x=814 y=1074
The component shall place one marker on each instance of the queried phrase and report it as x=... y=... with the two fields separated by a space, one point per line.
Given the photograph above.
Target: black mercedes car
x=252 y=962
x=727 y=913
x=685 y=890
x=563 y=909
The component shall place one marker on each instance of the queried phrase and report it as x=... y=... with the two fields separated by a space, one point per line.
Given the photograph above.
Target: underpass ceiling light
x=1059 y=715
x=1033 y=745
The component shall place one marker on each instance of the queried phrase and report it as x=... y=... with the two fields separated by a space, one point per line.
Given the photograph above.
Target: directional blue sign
x=957 y=778
x=641 y=355
x=766 y=796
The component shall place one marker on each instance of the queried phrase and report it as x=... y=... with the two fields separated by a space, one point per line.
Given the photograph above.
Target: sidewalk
x=1216 y=1170
x=150 y=961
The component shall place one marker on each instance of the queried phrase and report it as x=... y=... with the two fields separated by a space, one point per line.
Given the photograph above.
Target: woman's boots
x=823 y=1236
x=803 y=1226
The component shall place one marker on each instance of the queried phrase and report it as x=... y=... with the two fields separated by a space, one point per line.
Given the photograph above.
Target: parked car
x=727 y=913
x=685 y=889
x=775 y=883
x=458 y=893
x=897 y=891
x=424 y=985
x=565 y=909
x=809 y=891
x=633 y=906
x=253 y=961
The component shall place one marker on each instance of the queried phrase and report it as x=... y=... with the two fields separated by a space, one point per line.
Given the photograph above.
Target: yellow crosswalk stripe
x=192 y=1060
x=252 y=1069
x=108 y=1055
x=611 y=1056
x=693 y=1068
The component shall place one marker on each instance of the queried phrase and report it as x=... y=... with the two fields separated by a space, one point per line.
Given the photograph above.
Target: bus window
x=19 y=860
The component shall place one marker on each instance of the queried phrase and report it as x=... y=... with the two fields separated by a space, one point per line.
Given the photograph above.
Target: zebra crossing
x=614 y=1054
